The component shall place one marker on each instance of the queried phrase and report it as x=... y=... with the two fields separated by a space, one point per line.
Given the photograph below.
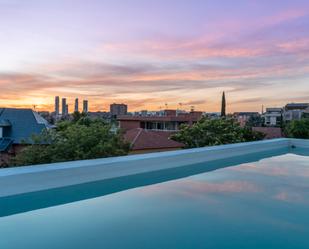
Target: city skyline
x=148 y=54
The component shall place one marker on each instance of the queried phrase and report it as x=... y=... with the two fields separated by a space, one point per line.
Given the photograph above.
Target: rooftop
x=141 y=139
x=23 y=123
x=245 y=113
x=293 y=106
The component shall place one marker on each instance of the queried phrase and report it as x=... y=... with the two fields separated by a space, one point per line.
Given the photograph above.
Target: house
x=243 y=117
x=145 y=141
x=16 y=128
x=169 y=120
x=295 y=111
x=273 y=117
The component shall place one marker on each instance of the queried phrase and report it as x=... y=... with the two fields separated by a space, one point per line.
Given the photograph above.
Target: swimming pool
x=255 y=200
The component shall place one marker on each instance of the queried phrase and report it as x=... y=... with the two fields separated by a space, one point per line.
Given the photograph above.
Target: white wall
x=273 y=120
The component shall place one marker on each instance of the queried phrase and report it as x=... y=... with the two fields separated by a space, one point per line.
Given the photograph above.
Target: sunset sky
x=147 y=53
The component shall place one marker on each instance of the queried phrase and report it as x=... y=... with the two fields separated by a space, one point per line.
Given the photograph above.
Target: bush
x=298 y=129
x=83 y=139
x=208 y=132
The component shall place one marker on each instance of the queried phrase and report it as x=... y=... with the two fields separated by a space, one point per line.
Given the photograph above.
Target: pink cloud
x=194 y=188
x=285 y=16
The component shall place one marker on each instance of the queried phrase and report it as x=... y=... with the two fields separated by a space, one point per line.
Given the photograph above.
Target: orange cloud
x=250 y=66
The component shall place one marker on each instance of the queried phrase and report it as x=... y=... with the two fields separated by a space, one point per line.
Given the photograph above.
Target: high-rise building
x=85 y=106
x=64 y=107
x=118 y=109
x=57 y=105
x=76 y=105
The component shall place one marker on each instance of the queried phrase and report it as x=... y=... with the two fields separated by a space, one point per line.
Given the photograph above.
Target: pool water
x=263 y=204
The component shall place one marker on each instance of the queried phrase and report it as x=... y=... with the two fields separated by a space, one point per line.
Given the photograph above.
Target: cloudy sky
x=148 y=53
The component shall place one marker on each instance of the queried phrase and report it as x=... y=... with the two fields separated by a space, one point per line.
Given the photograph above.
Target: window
x=160 y=126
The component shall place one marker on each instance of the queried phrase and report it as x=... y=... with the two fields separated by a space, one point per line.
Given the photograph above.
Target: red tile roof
x=270 y=132
x=141 y=139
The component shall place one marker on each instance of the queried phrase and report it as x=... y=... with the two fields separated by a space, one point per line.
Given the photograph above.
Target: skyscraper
x=85 y=106
x=64 y=107
x=57 y=105
x=76 y=105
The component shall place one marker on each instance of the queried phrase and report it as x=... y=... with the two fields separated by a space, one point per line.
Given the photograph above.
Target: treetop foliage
x=208 y=132
x=79 y=139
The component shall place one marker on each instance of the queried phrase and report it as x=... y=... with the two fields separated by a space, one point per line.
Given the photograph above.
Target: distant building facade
x=292 y=111
x=170 y=120
x=295 y=111
x=118 y=110
x=273 y=116
x=244 y=117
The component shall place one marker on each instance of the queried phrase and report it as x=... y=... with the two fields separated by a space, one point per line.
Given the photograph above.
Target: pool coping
x=21 y=180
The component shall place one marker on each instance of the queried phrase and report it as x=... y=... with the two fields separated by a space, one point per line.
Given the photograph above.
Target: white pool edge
x=21 y=180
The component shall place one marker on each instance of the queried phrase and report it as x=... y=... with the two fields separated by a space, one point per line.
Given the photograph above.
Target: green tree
x=223 y=105
x=78 y=115
x=298 y=129
x=79 y=140
x=208 y=132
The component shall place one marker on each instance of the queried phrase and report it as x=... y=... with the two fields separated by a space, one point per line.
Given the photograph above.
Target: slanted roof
x=141 y=139
x=24 y=123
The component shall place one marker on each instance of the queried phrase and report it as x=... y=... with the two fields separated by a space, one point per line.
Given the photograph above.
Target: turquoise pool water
x=263 y=204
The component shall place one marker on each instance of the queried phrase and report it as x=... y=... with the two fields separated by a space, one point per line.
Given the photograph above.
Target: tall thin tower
x=76 y=105
x=85 y=106
x=57 y=105
x=64 y=106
